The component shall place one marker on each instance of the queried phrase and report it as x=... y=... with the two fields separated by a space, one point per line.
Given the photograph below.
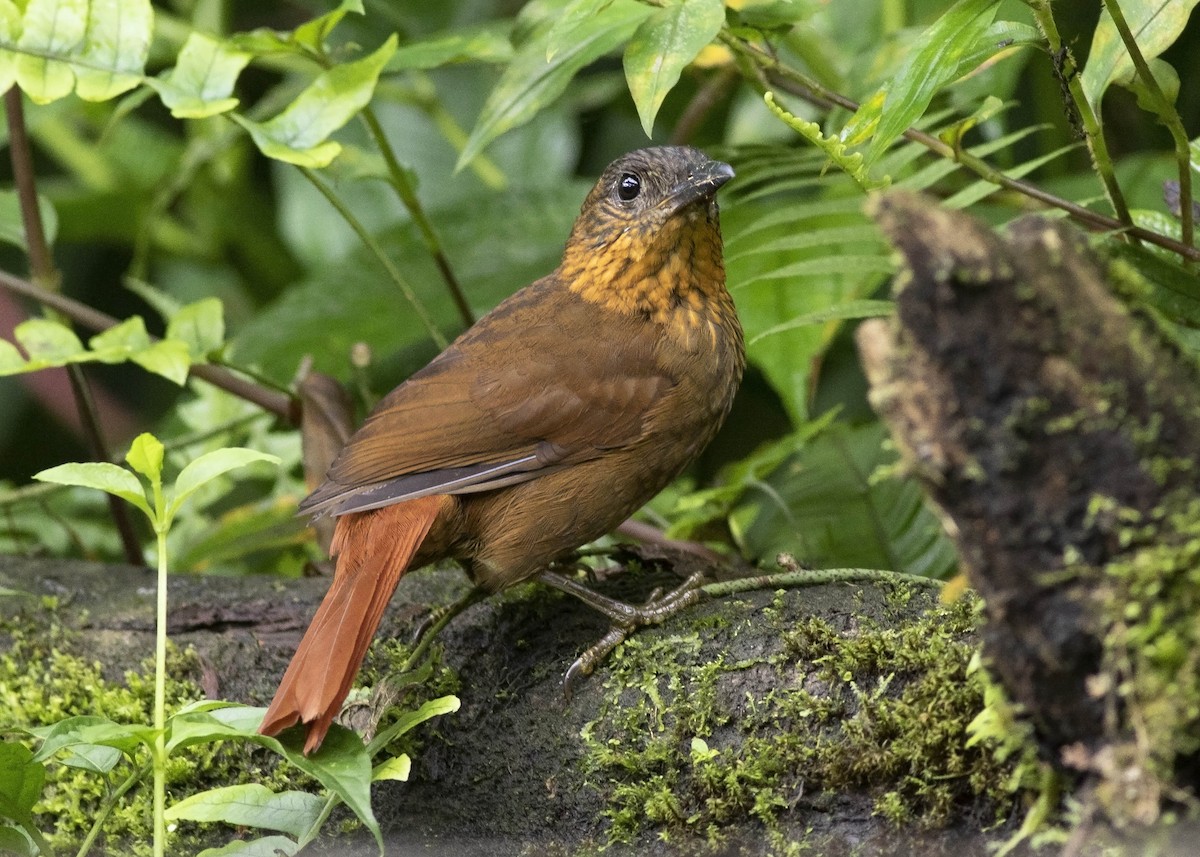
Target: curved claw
x=586 y=663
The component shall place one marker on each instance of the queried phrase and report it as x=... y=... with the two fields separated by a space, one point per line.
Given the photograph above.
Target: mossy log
x=829 y=718
x=1058 y=432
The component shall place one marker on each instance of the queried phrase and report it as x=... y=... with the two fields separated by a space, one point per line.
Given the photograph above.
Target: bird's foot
x=626 y=618
x=439 y=618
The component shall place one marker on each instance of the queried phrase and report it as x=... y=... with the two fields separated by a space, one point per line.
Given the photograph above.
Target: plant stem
x=814 y=577
x=159 y=753
x=372 y=245
x=793 y=82
x=106 y=810
x=1092 y=131
x=408 y=196
x=1166 y=113
x=46 y=276
x=281 y=405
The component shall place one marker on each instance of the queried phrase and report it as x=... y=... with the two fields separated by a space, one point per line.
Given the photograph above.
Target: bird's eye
x=629 y=187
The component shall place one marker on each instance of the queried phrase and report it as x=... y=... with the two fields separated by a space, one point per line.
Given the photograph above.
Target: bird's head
x=649 y=230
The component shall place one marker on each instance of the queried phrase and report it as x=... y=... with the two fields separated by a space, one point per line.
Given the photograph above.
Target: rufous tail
x=374 y=549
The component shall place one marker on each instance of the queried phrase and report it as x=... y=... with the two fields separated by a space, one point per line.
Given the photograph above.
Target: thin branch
x=46 y=275
x=408 y=196
x=706 y=98
x=799 y=85
x=281 y=405
x=1165 y=112
x=376 y=250
x=1093 y=132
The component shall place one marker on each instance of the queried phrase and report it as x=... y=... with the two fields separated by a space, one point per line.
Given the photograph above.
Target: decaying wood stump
x=1059 y=434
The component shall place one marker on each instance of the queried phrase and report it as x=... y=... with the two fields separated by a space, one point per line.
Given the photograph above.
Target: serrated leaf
x=396 y=768
x=661 y=48
x=201 y=325
x=1155 y=25
x=12 y=225
x=936 y=59
x=297 y=135
x=48 y=342
x=208 y=467
x=21 y=780
x=146 y=456
x=114 y=53
x=266 y=846
x=251 y=805
x=168 y=358
x=531 y=81
x=51 y=29
x=102 y=476
x=201 y=82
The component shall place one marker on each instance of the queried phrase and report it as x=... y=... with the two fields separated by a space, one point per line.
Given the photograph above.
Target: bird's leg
x=626 y=618
x=438 y=619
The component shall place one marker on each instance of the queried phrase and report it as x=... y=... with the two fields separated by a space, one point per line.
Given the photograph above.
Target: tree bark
x=1056 y=432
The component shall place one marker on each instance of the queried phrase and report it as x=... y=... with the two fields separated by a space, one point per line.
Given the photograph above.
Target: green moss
x=872 y=710
x=1150 y=605
x=43 y=679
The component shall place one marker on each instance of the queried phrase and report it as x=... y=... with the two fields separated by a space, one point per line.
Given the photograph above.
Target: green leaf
x=432 y=708
x=266 y=846
x=14 y=841
x=168 y=358
x=10 y=31
x=48 y=342
x=146 y=456
x=483 y=43
x=662 y=46
x=94 y=758
x=341 y=765
x=116 y=344
x=12 y=225
x=312 y=34
x=847 y=310
x=102 y=476
x=937 y=58
x=1155 y=25
x=208 y=467
x=115 y=50
x=531 y=81
x=87 y=730
x=251 y=805
x=201 y=325
x=1164 y=75
x=21 y=781
x=297 y=135
x=52 y=29
x=202 y=80
x=829 y=505
x=396 y=768
x=11 y=360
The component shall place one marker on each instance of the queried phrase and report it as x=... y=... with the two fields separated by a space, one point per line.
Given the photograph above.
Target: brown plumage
x=540 y=428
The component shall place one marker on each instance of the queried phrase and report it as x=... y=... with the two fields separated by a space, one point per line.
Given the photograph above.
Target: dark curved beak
x=701 y=183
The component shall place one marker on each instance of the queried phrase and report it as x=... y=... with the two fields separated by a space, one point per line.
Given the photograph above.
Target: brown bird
x=542 y=427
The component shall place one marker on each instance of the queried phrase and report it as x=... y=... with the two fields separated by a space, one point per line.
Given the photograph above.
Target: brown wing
x=543 y=381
